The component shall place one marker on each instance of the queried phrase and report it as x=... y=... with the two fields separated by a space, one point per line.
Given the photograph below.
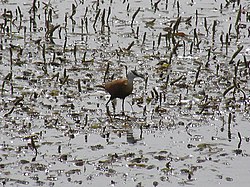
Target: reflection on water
x=130 y=137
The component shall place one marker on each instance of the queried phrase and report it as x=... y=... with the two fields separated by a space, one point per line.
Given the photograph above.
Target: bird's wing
x=116 y=86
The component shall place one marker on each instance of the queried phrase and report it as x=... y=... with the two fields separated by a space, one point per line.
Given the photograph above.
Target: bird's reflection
x=130 y=137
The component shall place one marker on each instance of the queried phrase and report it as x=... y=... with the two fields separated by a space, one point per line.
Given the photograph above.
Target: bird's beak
x=138 y=74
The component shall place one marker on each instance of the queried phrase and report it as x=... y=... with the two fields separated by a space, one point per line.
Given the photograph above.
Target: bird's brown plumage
x=120 y=88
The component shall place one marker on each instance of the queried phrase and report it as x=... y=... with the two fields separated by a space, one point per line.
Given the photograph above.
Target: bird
x=121 y=88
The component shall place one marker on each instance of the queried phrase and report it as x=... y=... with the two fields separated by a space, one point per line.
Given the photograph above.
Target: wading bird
x=121 y=88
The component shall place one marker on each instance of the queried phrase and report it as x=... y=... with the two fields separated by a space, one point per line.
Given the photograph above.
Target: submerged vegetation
x=186 y=123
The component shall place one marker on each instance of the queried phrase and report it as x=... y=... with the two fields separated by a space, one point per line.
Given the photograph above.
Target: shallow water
x=188 y=124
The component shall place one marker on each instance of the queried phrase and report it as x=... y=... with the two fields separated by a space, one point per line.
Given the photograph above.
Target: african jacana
x=121 y=88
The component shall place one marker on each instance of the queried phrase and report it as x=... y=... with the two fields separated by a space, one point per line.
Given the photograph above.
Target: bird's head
x=133 y=74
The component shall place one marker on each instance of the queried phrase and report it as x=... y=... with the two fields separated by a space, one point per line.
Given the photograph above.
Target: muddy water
x=187 y=123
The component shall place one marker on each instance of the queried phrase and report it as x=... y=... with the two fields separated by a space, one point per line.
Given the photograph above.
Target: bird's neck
x=130 y=80
x=130 y=77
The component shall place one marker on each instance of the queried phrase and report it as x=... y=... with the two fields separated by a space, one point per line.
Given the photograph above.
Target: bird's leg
x=108 y=101
x=108 y=112
x=113 y=105
x=107 y=107
x=123 y=113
